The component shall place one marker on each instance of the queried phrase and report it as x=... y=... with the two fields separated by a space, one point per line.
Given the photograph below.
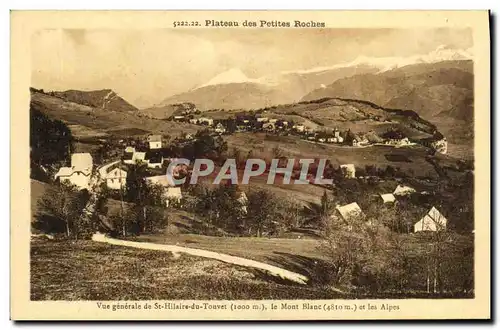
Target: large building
x=79 y=173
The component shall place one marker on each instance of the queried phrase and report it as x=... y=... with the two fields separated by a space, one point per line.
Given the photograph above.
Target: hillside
x=168 y=110
x=105 y=99
x=87 y=122
x=437 y=92
x=233 y=90
x=359 y=116
x=230 y=96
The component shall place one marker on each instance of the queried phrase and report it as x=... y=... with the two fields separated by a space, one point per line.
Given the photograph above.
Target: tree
x=51 y=141
x=262 y=212
x=65 y=203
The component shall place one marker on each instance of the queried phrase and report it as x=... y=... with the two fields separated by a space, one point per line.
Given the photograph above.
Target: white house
x=220 y=128
x=349 y=212
x=173 y=194
x=262 y=119
x=432 y=221
x=139 y=157
x=402 y=190
x=193 y=121
x=299 y=128
x=161 y=180
x=441 y=146
x=79 y=173
x=206 y=121
x=154 y=141
x=79 y=178
x=388 y=198
x=116 y=178
x=349 y=170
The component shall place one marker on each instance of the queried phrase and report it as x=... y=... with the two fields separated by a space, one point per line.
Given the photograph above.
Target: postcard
x=250 y=165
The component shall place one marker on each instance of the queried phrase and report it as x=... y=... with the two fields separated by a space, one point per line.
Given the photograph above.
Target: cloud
x=150 y=65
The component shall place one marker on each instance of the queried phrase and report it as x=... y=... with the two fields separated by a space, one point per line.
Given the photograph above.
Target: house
x=172 y=195
x=336 y=133
x=179 y=118
x=154 y=159
x=193 y=121
x=432 y=221
x=128 y=158
x=79 y=173
x=299 y=128
x=206 y=121
x=262 y=119
x=154 y=141
x=440 y=146
x=331 y=139
x=161 y=180
x=355 y=143
x=273 y=120
x=349 y=212
x=402 y=190
x=322 y=140
x=339 y=139
x=219 y=128
x=116 y=178
x=138 y=157
x=388 y=198
x=76 y=177
x=348 y=170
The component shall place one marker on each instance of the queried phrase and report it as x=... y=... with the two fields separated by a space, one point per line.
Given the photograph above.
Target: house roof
x=173 y=192
x=139 y=156
x=403 y=190
x=388 y=198
x=350 y=211
x=64 y=171
x=154 y=157
x=433 y=220
x=154 y=138
x=348 y=166
x=161 y=180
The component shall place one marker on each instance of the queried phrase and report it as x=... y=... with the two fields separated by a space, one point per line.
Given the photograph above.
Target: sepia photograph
x=253 y=159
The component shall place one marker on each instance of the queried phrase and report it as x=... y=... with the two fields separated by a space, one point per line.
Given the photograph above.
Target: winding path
x=273 y=270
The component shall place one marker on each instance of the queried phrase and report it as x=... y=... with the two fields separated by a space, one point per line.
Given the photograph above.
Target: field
x=86 y=270
x=101 y=121
x=410 y=159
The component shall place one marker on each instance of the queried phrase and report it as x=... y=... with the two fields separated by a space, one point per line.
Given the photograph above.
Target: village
x=258 y=122
x=151 y=153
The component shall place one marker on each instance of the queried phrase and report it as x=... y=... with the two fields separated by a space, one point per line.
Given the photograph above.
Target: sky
x=147 y=66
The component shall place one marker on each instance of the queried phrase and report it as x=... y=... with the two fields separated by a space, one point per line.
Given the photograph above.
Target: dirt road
x=273 y=270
